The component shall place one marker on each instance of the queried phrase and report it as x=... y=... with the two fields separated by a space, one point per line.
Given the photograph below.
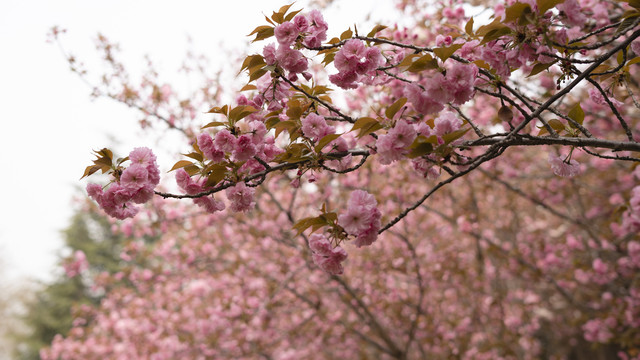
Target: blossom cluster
x=325 y=256
x=362 y=218
x=394 y=145
x=431 y=94
x=134 y=185
x=192 y=187
x=312 y=29
x=354 y=62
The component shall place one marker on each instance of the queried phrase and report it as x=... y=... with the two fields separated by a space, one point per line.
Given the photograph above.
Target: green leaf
x=416 y=63
x=577 y=114
x=325 y=141
x=328 y=57
x=445 y=53
x=393 y=109
x=634 y=3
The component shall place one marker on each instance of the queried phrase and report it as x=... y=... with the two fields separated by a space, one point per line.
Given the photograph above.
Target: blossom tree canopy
x=459 y=187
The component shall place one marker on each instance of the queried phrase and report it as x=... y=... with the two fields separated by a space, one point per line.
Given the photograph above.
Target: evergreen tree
x=49 y=310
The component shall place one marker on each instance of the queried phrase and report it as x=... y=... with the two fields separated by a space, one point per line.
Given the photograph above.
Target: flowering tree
x=484 y=174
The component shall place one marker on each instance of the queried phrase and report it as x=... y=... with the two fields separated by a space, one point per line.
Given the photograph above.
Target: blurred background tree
x=47 y=309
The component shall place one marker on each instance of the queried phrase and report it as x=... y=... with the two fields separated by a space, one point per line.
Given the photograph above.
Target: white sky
x=49 y=123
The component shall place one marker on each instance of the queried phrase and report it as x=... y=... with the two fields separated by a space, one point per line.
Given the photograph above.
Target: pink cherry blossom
x=225 y=141
x=286 y=33
x=564 y=168
x=446 y=123
x=327 y=258
x=241 y=197
x=314 y=126
x=244 y=149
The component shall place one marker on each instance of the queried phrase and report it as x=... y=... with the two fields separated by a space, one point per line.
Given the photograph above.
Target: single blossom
x=286 y=33
x=362 y=218
x=314 y=126
x=241 y=197
x=327 y=258
x=564 y=168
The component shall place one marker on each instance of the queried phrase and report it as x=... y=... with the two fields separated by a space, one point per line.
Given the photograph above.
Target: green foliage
x=48 y=312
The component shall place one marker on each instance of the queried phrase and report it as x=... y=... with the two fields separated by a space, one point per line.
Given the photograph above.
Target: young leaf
x=181 y=164
x=346 y=35
x=495 y=34
x=376 y=29
x=249 y=87
x=421 y=146
x=90 y=170
x=577 y=114
x=544 y=5
x=393 y=109
x=217 y=173
x=263 y=32
x=539 y=67
x=219 y=110
x=240 y=112
x=306 y=223
x=325 y=141
x=469 y=27
x=450 y=137
x=213 y=124
x=366 y=125
x=446 y=52
x=424 y=63
x=513 y=12
x=555 y=124
x=195 y=156
x=291 y=15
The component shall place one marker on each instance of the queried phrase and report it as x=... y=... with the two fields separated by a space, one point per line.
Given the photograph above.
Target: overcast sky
x=49 y=123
